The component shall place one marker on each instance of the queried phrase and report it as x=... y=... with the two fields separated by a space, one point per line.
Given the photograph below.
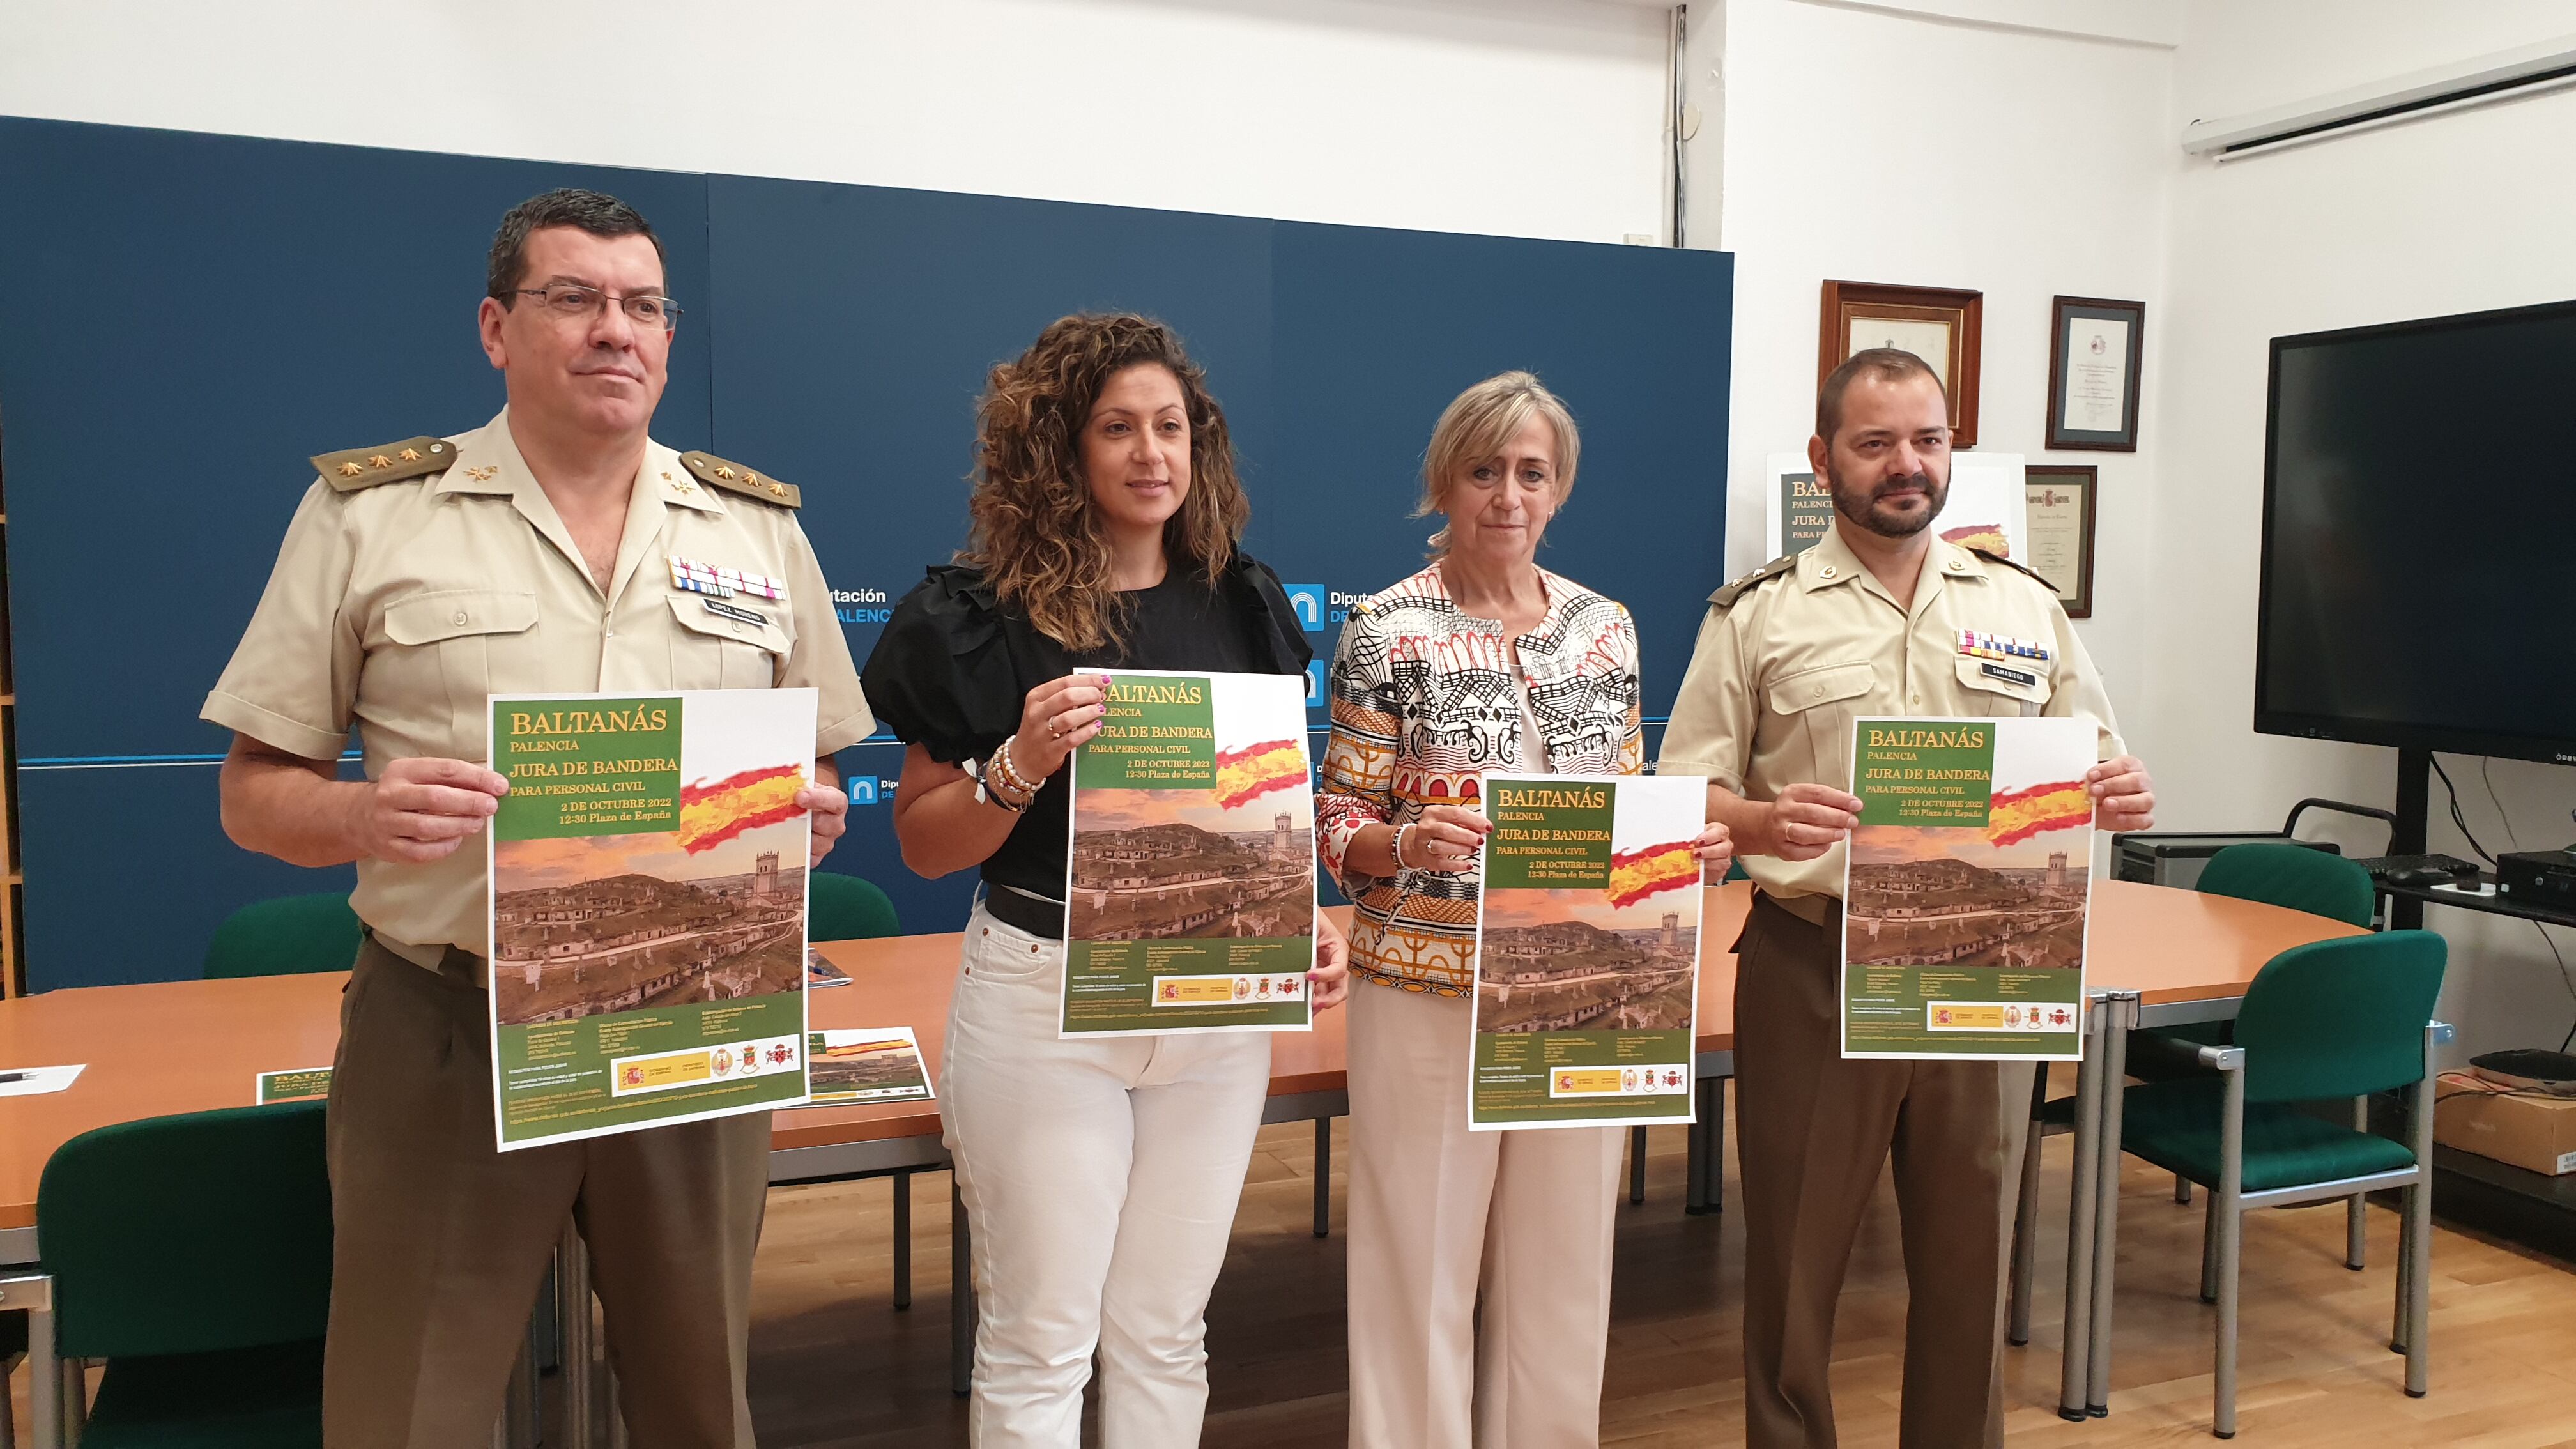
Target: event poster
x=306 y=1084
x=647 y=905
x=1964 y=902
x=872 y=1065
x=1587 y=951
x=1799 y=508
x=1190 y=885
x=1983 y=509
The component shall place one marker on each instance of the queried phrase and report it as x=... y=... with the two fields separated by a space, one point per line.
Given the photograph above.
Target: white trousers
x=1100 y=1179
x=1439 y=1214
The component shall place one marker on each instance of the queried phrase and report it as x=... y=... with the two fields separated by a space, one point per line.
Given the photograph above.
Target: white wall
x=1872 y=146
x=2448 y=214
x=1538 y=118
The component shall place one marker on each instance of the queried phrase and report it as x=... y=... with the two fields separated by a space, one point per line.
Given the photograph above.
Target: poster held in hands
x=1966 y=892
x=647 y=903
x=1587 y=952
x=1190 y=874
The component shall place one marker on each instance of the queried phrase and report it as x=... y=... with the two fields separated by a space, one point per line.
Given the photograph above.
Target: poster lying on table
x=647 y=905
x=1965 y=899
x=1190 y=885
x=1587 y=951
x=875 y=1065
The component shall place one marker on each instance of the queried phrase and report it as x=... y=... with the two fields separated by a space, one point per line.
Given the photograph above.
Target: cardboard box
x=2536 y=1134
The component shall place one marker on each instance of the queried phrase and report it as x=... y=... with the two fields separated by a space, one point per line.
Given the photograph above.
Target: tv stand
x=2523 y=1207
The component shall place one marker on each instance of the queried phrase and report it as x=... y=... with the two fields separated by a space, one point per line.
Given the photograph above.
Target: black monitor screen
x=2419 y=564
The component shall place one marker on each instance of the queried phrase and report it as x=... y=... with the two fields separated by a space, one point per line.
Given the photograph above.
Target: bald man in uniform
x=535 y=553
x=1869 y=621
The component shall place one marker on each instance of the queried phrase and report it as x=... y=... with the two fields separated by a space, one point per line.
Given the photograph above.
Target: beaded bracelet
x=1001 y=783
x=1020 y=784
x=1399 y=843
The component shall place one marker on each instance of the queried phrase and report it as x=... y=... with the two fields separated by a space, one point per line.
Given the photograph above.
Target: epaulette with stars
x=715 y=472
x=1725 y=598
x=391 y=463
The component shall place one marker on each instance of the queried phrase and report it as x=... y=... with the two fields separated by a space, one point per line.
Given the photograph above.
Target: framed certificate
x=2058 y=518
x=1944 y=327
x=2093 y=351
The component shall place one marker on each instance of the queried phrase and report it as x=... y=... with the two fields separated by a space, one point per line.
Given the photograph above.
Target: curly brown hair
x=1036 y=537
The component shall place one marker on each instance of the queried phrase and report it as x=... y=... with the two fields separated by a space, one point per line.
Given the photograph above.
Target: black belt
x=1022 y=911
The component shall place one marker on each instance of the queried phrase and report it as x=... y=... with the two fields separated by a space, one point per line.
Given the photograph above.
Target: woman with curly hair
x=1100 y=1174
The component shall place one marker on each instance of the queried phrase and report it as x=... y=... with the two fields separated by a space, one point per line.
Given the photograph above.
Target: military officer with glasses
x=539 y=552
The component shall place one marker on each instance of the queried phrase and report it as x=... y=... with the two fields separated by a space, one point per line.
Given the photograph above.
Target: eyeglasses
x=568 y=303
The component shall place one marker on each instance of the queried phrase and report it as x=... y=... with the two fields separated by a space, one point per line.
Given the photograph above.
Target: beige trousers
x=1440 y=1215
x=1100 y=1177
x=440 y=1241
x=1814 y=1133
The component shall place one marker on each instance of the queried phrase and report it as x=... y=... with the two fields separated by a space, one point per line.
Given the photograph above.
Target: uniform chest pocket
x=2006 y=688
x=459 y=646
x=1818 y=705
x=711 y=650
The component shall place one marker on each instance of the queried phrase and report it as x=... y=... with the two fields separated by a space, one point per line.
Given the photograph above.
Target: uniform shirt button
x=460 y=616
x=1826 y=572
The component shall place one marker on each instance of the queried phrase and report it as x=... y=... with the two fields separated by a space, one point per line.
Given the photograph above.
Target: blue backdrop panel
x=1378 y=330
x=184 y=318
x=856 y=327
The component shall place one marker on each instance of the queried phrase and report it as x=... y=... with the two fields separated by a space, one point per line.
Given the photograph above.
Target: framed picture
x=2057 y=504
x=2093 y=349
x=1942 y=326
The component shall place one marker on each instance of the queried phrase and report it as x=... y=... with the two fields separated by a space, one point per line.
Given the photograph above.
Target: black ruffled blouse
x=954 y=667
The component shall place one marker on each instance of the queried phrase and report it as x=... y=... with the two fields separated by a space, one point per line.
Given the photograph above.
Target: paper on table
x=36 y=1081
x=880 y=1065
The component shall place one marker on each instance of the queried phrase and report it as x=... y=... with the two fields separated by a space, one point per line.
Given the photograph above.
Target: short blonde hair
x=1478 y=424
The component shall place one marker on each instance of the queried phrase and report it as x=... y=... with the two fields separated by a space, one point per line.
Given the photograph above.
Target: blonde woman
x=1100 y=1175
x=1482 y=661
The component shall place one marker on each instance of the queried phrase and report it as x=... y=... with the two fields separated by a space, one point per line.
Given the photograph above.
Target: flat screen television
x=2419 y=536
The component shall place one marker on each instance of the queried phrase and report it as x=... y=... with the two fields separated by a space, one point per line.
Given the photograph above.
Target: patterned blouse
x=1423 y=703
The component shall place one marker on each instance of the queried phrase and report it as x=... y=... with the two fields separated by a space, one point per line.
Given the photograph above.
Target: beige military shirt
x=1790 y=656
x=399 y=605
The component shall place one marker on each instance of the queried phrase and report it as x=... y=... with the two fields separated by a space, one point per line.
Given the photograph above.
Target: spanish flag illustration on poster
x=646 y=901
x=1966 y=894
x=1587 y=952
x=1190 y=882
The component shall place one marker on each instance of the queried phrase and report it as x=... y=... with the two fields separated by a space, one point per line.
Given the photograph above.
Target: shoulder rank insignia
x=1996 y=558
x=1725 y=598
x=715 y=472
x=388 y=463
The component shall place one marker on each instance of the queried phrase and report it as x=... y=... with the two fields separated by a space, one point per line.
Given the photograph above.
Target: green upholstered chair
x=846 y=908
x=2334 y=1019
x=192 y=1254
x=2293 y=877
x=2290 y=876
x=289 y=936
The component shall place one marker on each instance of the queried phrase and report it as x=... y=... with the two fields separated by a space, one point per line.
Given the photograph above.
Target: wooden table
x=184 y=1046
x=187 y=1046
